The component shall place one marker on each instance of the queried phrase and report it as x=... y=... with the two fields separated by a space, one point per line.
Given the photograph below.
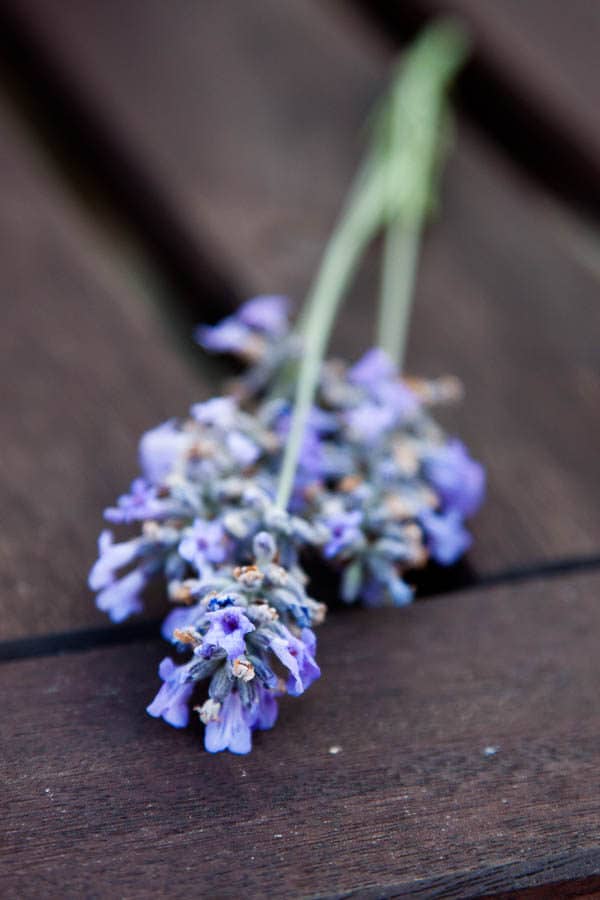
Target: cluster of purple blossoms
x=379 y=491
x=241 y=625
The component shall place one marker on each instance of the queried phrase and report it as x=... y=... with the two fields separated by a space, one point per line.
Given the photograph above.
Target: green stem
x=412 y=140
x=385 y=194
x=346 y=246
x=400 y=258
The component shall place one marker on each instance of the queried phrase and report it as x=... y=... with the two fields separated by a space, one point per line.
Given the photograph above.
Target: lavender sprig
x=257 y=619
x=305 y=459
x=379 y=490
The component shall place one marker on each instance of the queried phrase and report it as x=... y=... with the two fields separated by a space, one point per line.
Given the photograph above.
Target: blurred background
x=159 y=162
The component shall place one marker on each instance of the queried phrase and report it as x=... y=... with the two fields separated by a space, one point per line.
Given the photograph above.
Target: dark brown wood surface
x=227 y=134
x=253 y=147
x=532 y=81
x=99 y=798
x=86 y=365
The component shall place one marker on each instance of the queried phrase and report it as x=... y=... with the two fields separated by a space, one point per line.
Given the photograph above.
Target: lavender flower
x=368 y=422
x=230 y=727
x=374 y=488
x=218 y=412
x=222 y=415
x=228 y=628
x=204 y=543
x=256 y=324
x=229 y=336
x=243 y=450
x=265 y=711
x=447 y=538
x=376 y=493
x=177 y=620
x=459 y=480
x=121 y=598
x=112 y=557
x=171 y=702
x=159 y=450
x=141 y=503
x=269 y=314
x=372 y=368
x=298 y=658
x=397 y=397
x=345 y=531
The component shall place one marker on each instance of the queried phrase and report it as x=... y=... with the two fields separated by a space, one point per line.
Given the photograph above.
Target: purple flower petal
x=458 y=479
x=180 y=617
x=265 y=714
x=287 y=653
x=266 y=313
x=298 y=659
x=171 y=702
x=112 y=557
x=228 y=628
x=345 y=531
x=204 y=543
x=367 y=422
x=141 y=503
x=159 y=450
x=121 y=599
x=218 y=412
x=232 y=730
x=375 y=366
x=228 y=336
x=447 y=538
x=396 y=396
x=244 y=451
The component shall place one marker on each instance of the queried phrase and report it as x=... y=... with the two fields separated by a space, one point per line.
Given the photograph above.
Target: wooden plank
x=99 y=798
x=250 y=144
x=85 y=366
x=533 y=80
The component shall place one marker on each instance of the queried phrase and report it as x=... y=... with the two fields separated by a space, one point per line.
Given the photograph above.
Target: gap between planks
x=413 y=793
x=84 y=639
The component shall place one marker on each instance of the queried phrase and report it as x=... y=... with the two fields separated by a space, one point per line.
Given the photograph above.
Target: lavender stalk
x=394 y=188
x=410 y=143
x=352 y=234
x=235 y=499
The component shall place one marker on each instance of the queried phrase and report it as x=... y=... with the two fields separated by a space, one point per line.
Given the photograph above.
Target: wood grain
x=86 y=364
x=253 y=147
x=532 y=81
x=98 y=798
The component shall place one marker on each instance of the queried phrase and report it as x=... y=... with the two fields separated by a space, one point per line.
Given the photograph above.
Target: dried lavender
x=303 y=460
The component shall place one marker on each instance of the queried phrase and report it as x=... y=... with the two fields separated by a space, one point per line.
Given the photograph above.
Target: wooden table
x=158 y=162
